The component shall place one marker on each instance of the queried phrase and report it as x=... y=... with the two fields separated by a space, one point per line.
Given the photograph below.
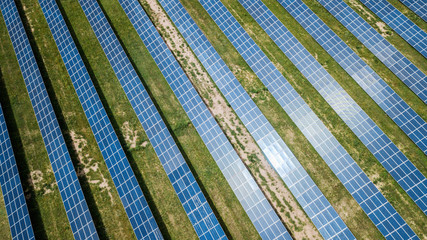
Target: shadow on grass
x=24 y=171
x=65 y=130
x=194 y=172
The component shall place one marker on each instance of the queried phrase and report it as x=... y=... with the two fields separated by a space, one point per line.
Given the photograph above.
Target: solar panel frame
x=386 y=152
x=404 y=69
x=378 y=209
x=130 y=193
x=273 y=147
x=418 y=7
x=407 y=29
x=184 y=183
x=13 y=193
x=72 y=196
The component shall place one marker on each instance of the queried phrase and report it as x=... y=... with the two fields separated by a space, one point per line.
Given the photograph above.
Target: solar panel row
x=278 y=154
x=395 y=162
x=75 y=204
x=183 y=181
x=407 y=119
x=13 y=194
x=407 y=29
x=253 y=201
x=418 y=7
x=403 y=115
x=130 y=193
x=383 y=215
x=413 y=77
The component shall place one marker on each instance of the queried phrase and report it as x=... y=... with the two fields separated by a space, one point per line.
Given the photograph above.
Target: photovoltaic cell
x=130 y=193
x=413 y=77
x=379 y=210
x=407 y=29
x=13 y=194
x=253 y=201
x=309 y=196
x=417 y=6
x=75 y=204
x=183 y=181
x=387 y=153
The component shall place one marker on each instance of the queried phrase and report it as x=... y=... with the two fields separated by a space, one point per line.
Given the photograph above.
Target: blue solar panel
x=417 y=6
x=407 y=29
x=383 y=215
x=413 y=77
x=253 y=201
x=278 y=154
x=130 y=193
x=13 y=194
x=183 y=181
x=69 y=187
x=395 y=162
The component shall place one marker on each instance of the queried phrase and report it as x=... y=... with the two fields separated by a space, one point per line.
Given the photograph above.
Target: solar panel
x=130 y=193
x=253 y=201
x=387 y=153
x=13 y=194
x=75 y=204
x=407 y=29
x=183 y=181
x=380 y=211
x=413 y=77
x=309 y=196
x=418 y=7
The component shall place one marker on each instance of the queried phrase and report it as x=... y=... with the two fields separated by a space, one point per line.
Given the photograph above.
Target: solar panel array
x=418 y=7
x=244 y=186
x=397 y=109
x=380 y=211
x=75 y=204
x=183 y=181
x=407 y=29
x=13 y=194
x=309 y=196
x=413 y=77
x=130 y=193
x=387 y=153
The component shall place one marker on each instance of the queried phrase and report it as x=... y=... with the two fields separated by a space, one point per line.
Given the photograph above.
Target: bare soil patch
x=89 y=167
